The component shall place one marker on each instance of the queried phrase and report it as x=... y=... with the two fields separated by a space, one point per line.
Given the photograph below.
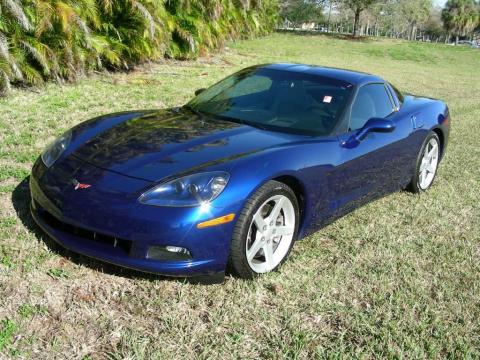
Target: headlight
x=191 y=190
x=53 y=151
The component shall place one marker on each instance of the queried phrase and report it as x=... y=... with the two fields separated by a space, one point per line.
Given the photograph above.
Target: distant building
x=308 y=26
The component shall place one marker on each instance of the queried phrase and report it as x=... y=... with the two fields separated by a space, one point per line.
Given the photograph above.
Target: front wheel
x=426 y=165
x=265 y=231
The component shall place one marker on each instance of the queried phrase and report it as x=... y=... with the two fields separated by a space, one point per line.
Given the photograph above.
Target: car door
x=366 y=169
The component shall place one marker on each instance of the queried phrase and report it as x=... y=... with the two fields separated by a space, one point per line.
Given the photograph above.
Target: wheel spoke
x=432 y=151
x=422 y=177
x=284 y=230
x=268 y=251
x=256 y=246
x=259 y=221
x=276 y=209
x=430 y=168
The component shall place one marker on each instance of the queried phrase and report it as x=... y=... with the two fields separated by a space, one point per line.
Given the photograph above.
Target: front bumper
x=121 y=233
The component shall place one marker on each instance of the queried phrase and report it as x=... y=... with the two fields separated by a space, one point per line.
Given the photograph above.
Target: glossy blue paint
x=123 y=155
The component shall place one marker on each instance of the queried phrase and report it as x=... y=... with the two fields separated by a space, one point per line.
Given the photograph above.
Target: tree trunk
x=355 y=22
x=456 y=39
x=413 y=32
x=329 y=13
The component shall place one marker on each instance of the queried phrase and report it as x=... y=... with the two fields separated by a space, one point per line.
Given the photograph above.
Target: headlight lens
x=53 y=151
x=191 y=190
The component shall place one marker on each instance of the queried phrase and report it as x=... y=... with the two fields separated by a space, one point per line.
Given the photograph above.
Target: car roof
x=353 y=77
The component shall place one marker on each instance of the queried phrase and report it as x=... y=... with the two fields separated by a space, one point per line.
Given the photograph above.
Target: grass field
x=398 y=277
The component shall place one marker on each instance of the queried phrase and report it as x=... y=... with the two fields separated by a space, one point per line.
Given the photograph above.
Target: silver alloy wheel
x=428 y=166
x=270 y=234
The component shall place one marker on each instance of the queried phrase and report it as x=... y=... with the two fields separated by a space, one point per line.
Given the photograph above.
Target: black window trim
x=401 y=98
x=392 y=99
x=393 y=94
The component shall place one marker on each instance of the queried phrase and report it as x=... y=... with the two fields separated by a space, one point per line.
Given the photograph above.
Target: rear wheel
x=265 y=231
x=426 y=165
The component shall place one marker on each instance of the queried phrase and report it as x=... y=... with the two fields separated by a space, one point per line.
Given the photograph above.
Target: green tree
x=357 y=6
x=415 y=12
x=433 y=26
x=300 y=11
x=460 y=17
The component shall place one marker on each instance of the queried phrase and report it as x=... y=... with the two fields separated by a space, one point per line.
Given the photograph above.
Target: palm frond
x=16 y=11
x=38 y=52
x=4 y=52
x=4 y=83
x=65 y=39
x=147 y=16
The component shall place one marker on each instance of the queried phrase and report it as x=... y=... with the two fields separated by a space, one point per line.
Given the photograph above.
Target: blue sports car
x=230 y=180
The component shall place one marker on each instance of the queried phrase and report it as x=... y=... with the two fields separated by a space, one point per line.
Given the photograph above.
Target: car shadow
x=21 y=202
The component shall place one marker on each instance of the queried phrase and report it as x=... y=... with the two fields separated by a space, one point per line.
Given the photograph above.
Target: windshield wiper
x=239 y=121
x=192 y=109
x=254 y=124
x=225 y=118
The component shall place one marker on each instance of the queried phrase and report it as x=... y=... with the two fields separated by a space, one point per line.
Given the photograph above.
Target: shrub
x=64 y=39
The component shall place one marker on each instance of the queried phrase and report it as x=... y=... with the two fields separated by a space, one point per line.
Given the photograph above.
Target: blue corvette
x=230 y=180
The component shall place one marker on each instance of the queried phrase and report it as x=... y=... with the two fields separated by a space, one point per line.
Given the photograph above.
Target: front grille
x=52 y=221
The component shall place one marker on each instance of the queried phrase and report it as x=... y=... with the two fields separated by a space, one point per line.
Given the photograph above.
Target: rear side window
x=372 y=101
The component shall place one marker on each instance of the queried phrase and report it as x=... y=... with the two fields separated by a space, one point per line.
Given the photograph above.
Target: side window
x=372 y=101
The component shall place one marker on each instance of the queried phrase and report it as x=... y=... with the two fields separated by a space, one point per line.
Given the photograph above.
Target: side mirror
x=375 y=125
x=198 y=91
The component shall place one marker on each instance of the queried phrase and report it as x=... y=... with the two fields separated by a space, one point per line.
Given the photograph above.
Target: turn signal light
x=217 y=221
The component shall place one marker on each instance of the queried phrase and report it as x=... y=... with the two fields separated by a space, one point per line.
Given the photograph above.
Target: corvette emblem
x=78 y=185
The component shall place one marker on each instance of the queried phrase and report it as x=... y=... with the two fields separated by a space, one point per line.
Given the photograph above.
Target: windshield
x=277 y=100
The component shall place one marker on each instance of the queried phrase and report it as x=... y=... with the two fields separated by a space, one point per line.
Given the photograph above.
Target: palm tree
x=460 y=17
x=65 y=39
x=13 y=23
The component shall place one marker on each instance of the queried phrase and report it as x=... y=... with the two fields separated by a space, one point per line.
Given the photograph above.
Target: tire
x=418 y=184
x=245 y=260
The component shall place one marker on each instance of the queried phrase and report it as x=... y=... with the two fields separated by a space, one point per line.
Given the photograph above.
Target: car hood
x=152 y=145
